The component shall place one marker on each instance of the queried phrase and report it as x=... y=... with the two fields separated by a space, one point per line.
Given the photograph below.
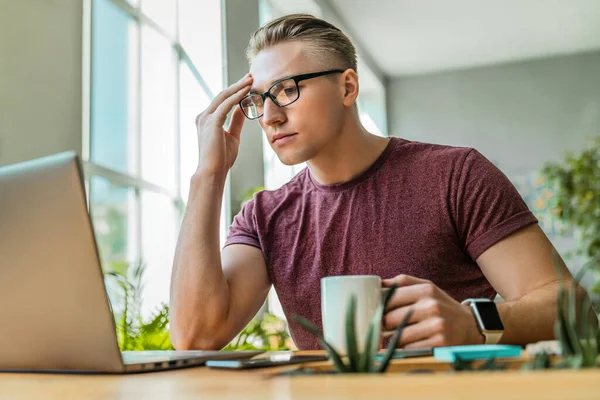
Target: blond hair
x=324 y=40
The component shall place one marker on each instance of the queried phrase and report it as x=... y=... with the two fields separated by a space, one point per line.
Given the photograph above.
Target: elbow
x=179 y=341
x=194 y=344
x=191 y=342
x=186 y=338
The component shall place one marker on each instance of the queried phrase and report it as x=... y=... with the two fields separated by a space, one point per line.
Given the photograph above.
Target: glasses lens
x=252 y=106
x=285 y=92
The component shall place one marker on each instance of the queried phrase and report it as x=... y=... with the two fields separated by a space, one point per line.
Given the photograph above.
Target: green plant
x=266 y=332
x=246 y=196
x=541 y=360
x=468 y=365
x=576 y=328
x=357 y=361
x=125 y=285
x=577 y=185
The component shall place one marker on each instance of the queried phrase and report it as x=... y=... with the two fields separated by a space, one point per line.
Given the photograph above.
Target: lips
x=279 y=136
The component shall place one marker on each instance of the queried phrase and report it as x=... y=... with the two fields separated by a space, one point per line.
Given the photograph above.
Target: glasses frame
x=296 y=79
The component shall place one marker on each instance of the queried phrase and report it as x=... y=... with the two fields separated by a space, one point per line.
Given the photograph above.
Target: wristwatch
x=487 y=318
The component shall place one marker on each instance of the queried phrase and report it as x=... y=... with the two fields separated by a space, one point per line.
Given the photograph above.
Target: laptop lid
x=55 y=310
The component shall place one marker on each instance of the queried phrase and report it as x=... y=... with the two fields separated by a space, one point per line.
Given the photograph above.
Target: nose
x=272 y=113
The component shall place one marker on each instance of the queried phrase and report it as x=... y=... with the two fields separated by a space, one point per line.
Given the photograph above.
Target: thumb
x=388 y=282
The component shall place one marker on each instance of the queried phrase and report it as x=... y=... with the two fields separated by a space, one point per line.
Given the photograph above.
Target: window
x=148 y=81
x=371 y=100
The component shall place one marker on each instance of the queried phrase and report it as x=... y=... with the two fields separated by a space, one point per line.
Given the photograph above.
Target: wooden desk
x=204 y=383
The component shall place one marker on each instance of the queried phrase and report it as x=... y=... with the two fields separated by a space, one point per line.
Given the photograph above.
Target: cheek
x=314 y=114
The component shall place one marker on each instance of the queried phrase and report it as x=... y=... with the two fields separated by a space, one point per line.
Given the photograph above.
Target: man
x=441 y=222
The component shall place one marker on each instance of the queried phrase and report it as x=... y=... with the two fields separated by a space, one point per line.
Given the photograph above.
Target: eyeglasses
x=283 y=93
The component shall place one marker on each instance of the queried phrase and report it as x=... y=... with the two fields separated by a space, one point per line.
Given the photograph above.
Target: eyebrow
x=255 y=91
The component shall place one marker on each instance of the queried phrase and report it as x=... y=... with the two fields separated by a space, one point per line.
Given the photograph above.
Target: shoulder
x=264 y=205
x=431 y=154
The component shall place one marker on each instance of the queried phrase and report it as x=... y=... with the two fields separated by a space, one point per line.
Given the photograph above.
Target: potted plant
x=356 y=361
x=577 y=186
x=124 y=283
x=576 y=329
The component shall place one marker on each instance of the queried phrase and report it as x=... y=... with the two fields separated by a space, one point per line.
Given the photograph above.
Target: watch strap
x=491 y=337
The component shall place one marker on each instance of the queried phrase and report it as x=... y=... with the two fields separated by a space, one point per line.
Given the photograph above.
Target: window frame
x=132 y=179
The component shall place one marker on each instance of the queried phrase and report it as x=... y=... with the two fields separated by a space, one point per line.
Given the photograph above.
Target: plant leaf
x=589 y=333
x=376 y=323
x=572 y=319
x=462 y=365
x=333 y=354
x=351 y=345
x=383 y=365
x=539 y=361
x=366 y=358
x=560 y=326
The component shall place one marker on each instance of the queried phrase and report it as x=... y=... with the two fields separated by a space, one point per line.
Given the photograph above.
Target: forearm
x=530 y=318
x=199 y=290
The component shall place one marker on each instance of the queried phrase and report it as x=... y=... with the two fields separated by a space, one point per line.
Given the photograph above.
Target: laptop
x=56 y=315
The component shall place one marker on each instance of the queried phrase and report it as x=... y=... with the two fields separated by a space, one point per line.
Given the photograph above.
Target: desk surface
x=205 y=383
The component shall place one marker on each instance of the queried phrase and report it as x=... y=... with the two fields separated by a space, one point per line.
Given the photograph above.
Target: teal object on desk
x=476 y=352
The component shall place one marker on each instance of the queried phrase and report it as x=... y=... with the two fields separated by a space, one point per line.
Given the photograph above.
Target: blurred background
x=121 y=82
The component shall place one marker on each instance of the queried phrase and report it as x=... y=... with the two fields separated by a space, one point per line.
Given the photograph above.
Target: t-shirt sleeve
x=488 y=207
x=243 y=229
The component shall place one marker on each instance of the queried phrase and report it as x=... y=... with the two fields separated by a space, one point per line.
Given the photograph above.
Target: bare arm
x=212 y=295
x=521 y=269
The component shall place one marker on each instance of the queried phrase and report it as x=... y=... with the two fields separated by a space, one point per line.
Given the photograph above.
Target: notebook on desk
x=56 y=315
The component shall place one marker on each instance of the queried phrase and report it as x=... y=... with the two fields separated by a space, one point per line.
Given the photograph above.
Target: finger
x=226 y=106
x=421 y=331
x=225 y=94
x=403 y=280
x=237 y=122
x=408 y=295
x=421 y=310
x=228 y=92
x=429 y=343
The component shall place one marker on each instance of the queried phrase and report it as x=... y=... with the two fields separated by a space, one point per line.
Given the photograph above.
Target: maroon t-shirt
x=421 y=209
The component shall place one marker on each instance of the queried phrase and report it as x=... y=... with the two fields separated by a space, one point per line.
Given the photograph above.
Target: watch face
x=489 y=316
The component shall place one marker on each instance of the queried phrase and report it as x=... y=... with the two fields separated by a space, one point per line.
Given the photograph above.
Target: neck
x=352 y=152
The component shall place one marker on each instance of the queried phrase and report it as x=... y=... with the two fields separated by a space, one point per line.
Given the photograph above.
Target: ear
x=349 y=81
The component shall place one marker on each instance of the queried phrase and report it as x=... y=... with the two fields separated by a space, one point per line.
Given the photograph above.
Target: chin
x=290 y=158
x=289 y=161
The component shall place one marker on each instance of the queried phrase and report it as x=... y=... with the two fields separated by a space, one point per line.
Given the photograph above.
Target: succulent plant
x=542 y=360
x=357 y=361
x=467 y=365
x=576 y=328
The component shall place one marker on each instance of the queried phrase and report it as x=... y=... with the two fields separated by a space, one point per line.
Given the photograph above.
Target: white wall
x=519 y=115
x=40 y=78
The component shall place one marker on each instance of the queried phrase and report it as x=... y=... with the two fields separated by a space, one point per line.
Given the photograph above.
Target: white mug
x=336 y=292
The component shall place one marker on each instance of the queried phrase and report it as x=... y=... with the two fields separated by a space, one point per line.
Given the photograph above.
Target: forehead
x=280 y=61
